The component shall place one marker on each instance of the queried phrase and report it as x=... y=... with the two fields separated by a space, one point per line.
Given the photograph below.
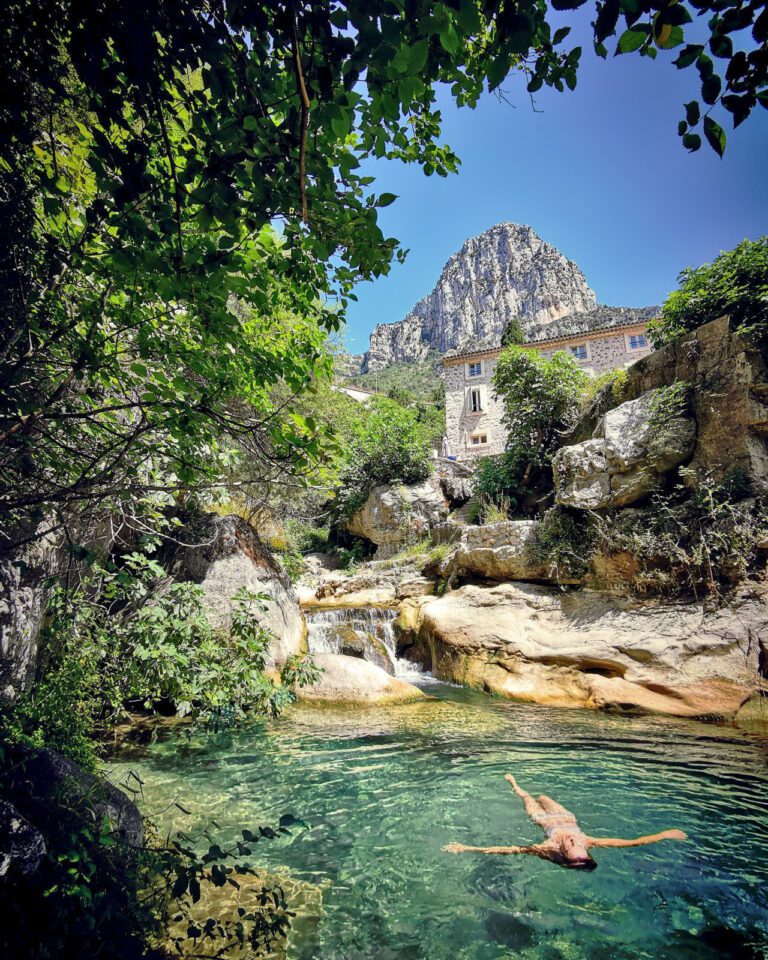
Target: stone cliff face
x=506 y=272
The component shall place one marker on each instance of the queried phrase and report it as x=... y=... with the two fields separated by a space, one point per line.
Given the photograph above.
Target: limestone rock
x=626 y=459
x=505 y=272
x=728 y=375
x=24 y=593
x=415 y=587
x=352 y=680
x=229 y=556
x=394 y=515
x=585 y=648
x=22 y=847
x=496 y=551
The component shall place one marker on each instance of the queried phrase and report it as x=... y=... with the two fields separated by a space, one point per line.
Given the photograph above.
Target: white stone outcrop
x=632 y=449
x=355 y=681
x=496 y=551
x=228 y=557
x=396 y=514
x=586 y=648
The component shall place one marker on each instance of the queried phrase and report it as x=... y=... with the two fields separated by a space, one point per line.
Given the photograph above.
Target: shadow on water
x=383 y=789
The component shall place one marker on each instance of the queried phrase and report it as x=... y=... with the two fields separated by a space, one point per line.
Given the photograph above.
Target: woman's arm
x=460 y=848
x=639 y=841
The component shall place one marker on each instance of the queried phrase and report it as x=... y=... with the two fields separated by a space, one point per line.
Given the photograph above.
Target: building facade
x=473 y=414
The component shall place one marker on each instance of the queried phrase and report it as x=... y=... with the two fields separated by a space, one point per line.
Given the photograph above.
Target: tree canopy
x=178 y=177
x=735 y=283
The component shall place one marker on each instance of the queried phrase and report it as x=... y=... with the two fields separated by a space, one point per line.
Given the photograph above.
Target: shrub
x=541 y=398
x=735 y=283
x=612 y=380
x=386 y=446
x=120 y=640
x=564 y=542
x=496 y=479
x=513 y=334
x=690 y=543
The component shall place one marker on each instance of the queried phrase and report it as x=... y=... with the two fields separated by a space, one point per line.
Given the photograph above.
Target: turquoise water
x=382 y=789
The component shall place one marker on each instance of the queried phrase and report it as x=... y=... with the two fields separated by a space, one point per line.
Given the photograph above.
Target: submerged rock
x=397 y=514
x=352 y=680
x=229 y=556
x=589 y=649
x=627 y=457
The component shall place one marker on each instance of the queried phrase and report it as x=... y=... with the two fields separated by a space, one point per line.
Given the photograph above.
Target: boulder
x=394 y=515
x=22 y=847
x=496 y=551
x=626 y=459
x=589 y=649
x=414 y=587
x=228 y=556
x=38 y=781
x=728 y=376
x=352 y=680
x=24 y=593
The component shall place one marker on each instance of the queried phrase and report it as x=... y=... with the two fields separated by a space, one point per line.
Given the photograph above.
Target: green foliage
x=385 y=446
x=564 y=542
x=613 y=380
x=412 y=381
x=102 y=896
x=496 y=480
x=513 y=334
x=541 y=398
x=700 y=542
x=735 y=283
x=127 y=638
x=670 y=403
x=350 y=557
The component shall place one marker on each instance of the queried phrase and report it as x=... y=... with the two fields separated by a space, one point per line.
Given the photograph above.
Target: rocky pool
x=381 y=790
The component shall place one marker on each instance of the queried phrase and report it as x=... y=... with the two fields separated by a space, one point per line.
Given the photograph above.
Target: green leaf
x=631 y=40
x=417 y=56
x=250 y=123
x=715 y=135
x=710 y=89
x=449 y=39
x=384 y=199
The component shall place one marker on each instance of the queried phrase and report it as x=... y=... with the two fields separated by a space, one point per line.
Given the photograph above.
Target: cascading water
x=359 y=631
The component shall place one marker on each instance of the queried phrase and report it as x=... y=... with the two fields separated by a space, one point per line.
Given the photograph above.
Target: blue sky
x=598 y=172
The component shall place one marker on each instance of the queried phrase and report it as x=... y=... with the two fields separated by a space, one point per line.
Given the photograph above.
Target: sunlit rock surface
x=228 y=556
x=396 y=514
x=633 y=447
x=352 y=680
x=505 y=272
x=585 y=648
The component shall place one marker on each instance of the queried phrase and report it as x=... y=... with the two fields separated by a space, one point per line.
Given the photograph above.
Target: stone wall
x=460 y=424
x=607 y=351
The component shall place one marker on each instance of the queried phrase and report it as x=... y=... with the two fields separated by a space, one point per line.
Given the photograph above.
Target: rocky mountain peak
x=507 y=271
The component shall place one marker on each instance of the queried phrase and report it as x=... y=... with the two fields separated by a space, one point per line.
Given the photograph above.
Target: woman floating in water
x=566 y=844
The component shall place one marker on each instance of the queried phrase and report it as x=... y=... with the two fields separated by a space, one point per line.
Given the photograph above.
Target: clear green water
x=383 y=789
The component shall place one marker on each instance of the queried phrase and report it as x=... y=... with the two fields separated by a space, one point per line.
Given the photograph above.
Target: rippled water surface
x=382 y=789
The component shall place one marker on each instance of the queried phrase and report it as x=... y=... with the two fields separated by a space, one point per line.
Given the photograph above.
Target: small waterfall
x=365 y=632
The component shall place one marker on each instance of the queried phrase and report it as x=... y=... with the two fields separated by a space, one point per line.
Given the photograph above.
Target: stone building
x=607 y=338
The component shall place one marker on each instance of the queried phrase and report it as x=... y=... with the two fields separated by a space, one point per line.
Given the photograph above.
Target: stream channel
x=381 y=790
